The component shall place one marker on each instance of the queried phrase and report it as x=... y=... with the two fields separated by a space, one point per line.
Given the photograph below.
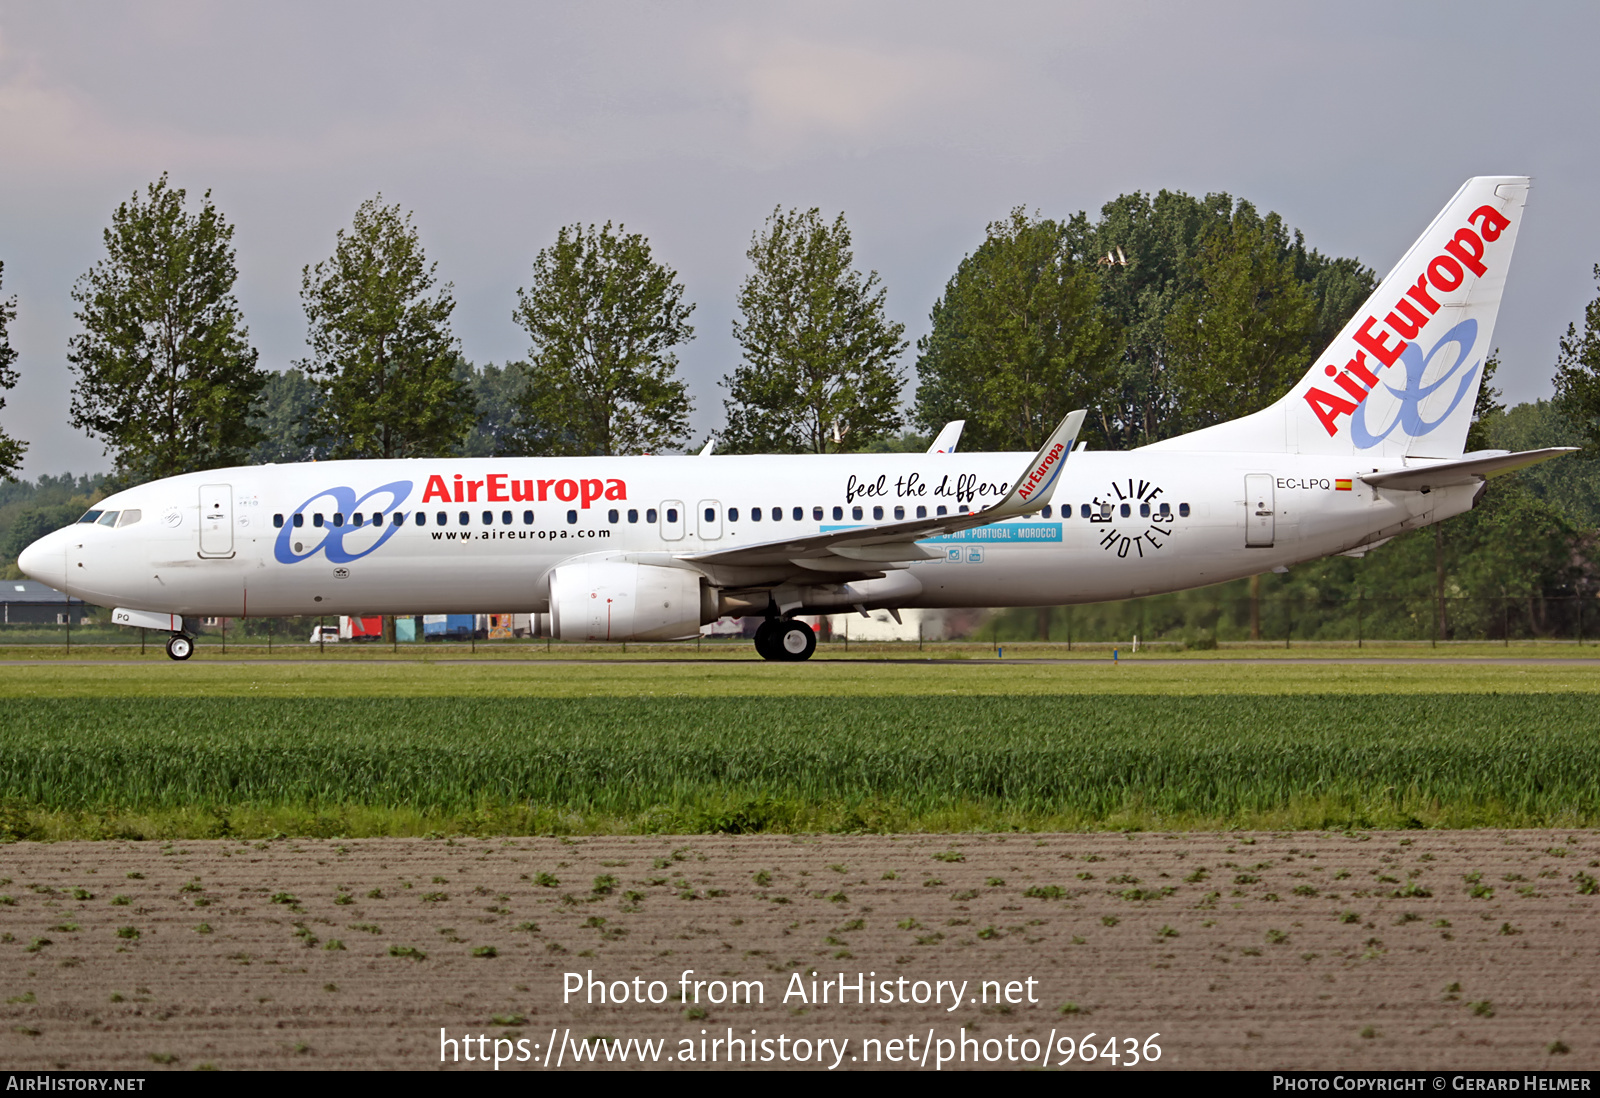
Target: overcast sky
x=496 y=123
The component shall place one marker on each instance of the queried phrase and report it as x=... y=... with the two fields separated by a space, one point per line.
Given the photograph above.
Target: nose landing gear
x=785 y=639
x=180 y=647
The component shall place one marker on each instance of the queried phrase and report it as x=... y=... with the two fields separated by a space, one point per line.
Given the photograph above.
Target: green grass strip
x=753 y=763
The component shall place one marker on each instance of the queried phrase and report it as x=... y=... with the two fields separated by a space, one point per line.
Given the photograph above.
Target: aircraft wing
x=868 y=548
x=1473 y=467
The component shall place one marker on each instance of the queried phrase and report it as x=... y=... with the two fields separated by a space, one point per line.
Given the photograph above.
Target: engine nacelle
x=616 y=601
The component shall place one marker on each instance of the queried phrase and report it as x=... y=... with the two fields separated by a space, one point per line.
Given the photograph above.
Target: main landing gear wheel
x=180 y=647
x=794 y=641
x=766 y=632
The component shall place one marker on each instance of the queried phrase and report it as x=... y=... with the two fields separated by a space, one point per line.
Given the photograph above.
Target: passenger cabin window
x=1166 y=509
x=711 y=514
x=733 y=514
x=755 y=514
x=488 y=518
x=527 y=518
x=572 y=518
x=466 y=518
x=1045 y=510
x=355 y=519
x=777 y=514
x=672 y=515
x=899 y=512
x=799 y=514
x=922 y=512
x=441 y=518
x=1183 y=510
x=316 y=518
x=277 y=522
x=505 y=518
x=650 y=515
x=877 y=512
x=299 y=520
x=613 y=515
x=942 y=510
x=1144 y=510
x=420 y=518
x=816 y=514
x=1126 y=510
x=109 y=518
x=338 y=518
x=856 y=512
x=633 y=515
x=838 y=514
x=1085 y=510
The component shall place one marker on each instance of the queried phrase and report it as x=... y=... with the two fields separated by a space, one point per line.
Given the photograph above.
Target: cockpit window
x=130 y=516
x=90 y=516
x=109 y=518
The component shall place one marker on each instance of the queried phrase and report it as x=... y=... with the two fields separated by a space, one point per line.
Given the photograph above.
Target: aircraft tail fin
x=1402 y=377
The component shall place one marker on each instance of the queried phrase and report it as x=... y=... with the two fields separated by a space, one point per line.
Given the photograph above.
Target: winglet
x=945 y=443
x=1038 y=482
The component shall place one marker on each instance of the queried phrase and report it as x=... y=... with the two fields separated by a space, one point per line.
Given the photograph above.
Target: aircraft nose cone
x=46 y=561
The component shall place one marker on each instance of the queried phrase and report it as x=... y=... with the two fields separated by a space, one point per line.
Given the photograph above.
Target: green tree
x=604 y=318
x=1243 y=333
x=1165 y=255
x=11 y=450
x=819 y=370
x=1018 y=339
x=382 y=354
x=166 y=375
x=283 y=414
x=496 y=390
x=1578 y=376
x=1571 y=484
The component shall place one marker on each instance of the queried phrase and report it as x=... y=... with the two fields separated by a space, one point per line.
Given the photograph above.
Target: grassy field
x=359 y=748
x=755 y=678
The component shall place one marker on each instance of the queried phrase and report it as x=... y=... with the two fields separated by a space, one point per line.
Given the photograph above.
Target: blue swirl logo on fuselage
x=295 y=543
x=1408 y=415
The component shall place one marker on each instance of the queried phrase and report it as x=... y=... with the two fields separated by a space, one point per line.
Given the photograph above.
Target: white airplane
x=1367 y=445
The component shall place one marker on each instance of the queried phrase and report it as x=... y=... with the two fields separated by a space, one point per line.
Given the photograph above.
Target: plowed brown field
x=1292 y=950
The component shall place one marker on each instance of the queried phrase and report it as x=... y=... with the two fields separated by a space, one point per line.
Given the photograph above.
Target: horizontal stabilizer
x=1472 y=468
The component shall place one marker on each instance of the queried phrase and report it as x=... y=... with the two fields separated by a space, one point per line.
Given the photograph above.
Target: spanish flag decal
x=1341 y=485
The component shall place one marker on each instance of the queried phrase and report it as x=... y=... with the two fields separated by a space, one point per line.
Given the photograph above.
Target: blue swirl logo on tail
x=1408 y=413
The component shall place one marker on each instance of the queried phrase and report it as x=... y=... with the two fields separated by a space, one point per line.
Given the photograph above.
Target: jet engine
x=617 y=601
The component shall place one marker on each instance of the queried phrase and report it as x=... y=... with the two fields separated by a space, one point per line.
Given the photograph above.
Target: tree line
x=1163 y=314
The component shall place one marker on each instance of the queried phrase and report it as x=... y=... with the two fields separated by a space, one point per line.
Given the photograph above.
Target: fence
x=1194 y=619
x=1198 y=621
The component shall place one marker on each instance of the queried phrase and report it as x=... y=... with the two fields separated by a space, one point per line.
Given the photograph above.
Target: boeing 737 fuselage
x=1368 y=445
